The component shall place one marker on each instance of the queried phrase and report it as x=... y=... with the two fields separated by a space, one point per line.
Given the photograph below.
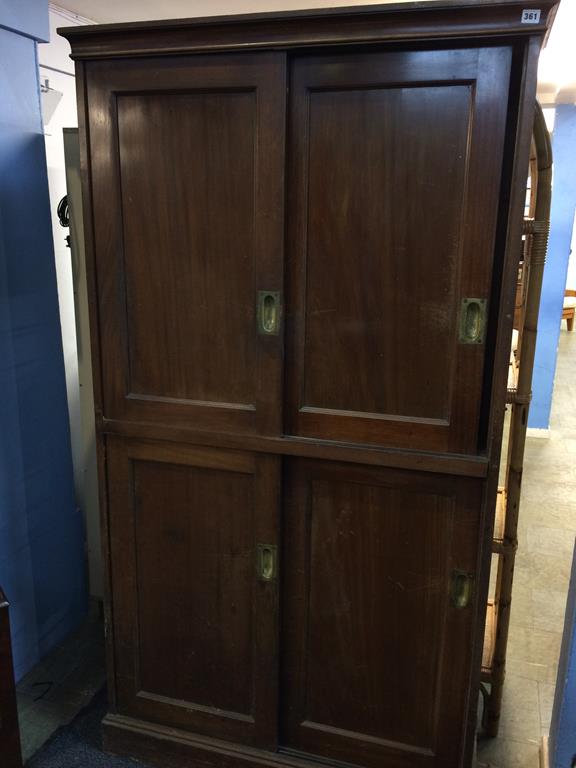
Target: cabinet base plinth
x=169 y=747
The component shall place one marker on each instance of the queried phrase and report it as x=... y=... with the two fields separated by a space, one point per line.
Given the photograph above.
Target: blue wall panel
x=554 y=284
x=42 y=567
x=563 y=727
x=28 y=17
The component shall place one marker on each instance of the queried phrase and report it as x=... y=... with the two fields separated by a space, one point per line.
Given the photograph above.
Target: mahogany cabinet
x=302 y=233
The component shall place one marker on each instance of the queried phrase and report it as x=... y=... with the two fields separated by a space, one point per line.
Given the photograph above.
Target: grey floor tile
x=558 y=511
x=546 y=535
x=520 y=717
x=24 y=702
x=87 y=678
x=548 y=608
x=522 y=609
x=534 y=645
x=53 y=693
x=546 y=702
x=508 y=753
x=551 y=571
x=544 y=672
x=546 y=540
x=39 y=722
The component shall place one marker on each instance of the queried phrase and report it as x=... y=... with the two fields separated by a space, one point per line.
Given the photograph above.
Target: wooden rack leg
x=493 y=704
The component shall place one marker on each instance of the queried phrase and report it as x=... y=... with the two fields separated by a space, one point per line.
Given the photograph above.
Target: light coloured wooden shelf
x=489 y=641
x=512 y=384
x=491 y=612
x=499 y=522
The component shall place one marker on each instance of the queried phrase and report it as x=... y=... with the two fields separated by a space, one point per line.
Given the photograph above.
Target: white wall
x=105 y=11
x=51 y=57
x=57 y=68
x=557 y=66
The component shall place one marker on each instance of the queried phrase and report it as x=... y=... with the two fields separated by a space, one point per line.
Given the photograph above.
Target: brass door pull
x=472 y=321
x=266 y=562
x=461 y=589
x=268 y=312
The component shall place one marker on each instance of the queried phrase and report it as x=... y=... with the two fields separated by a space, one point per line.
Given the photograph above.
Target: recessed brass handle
x=268 y=312
x=472 y=321
x=266 y=562
x=461 y=589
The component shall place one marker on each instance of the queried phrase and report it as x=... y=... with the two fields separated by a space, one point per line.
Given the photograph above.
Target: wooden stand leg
x=9 y=733
x=491 y=719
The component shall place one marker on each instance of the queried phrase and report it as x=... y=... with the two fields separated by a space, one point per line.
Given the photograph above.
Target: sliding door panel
x=394 y=183
x=187 y=178
x=195 y=628
x=378 y=613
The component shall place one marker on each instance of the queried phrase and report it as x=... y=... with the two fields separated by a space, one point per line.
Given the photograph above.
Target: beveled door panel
x=195 y=628
x=395 y=168
x=187 y=179
x=376 y=655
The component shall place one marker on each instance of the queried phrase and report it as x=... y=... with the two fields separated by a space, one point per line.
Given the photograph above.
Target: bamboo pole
x=536 y=230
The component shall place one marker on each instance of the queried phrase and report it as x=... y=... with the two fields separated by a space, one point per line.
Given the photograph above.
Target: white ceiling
x=139 y=10
x=556 y=75
x=557 y=68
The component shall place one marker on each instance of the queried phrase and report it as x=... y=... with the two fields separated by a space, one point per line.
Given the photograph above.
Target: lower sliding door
x=377 y=571
x=378 y=607
x=195 y=627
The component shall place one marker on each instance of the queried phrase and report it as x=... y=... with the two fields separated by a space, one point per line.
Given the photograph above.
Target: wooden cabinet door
x=195 y=629
x=376 y=654
x=186 y=164
x=394 y=182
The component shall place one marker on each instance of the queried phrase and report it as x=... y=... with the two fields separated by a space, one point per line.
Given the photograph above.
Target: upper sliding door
x=187 y=157
x=395 y=172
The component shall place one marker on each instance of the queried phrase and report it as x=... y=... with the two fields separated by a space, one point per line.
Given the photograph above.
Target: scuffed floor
x=64 y=682
x=547 y=529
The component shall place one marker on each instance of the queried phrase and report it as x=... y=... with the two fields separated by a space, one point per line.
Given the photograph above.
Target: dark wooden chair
x=10 y=753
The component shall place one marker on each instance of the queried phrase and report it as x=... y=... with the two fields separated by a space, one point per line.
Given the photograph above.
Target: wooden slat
x=441 y=463
x=499 y=521
x=489 y=641
x=512 y=383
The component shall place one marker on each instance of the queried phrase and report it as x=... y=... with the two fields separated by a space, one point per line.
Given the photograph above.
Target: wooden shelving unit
x=505 y=538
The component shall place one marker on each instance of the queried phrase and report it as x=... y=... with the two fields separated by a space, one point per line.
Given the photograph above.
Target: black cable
x=63 y=212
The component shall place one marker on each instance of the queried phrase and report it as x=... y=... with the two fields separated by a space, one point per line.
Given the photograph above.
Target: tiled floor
x=547 y=528
x=62 y=684
x=65 y=682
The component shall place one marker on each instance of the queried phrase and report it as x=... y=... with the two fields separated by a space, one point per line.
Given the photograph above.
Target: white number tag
x=530 y=17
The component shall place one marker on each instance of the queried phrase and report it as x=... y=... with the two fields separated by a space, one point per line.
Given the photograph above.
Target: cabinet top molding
x=390 y=22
